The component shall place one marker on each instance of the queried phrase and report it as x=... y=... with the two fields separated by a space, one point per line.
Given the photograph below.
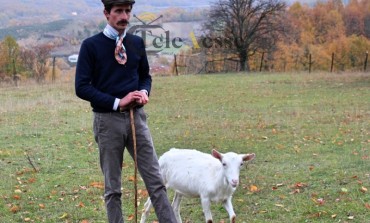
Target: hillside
x=29 y=12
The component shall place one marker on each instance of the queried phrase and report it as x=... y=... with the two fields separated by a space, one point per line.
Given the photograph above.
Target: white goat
x=191 y=173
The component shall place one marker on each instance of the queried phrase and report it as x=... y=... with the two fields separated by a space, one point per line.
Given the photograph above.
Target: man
x=113 y=75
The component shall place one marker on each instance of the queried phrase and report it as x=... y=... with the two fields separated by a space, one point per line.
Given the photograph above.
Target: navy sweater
x=100 y=79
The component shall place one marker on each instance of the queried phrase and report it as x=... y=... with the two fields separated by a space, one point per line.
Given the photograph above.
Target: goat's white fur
x=191 y=173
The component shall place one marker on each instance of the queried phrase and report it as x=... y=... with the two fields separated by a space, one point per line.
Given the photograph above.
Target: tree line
x=288 y=36
x=246 y=35
x=16 y=61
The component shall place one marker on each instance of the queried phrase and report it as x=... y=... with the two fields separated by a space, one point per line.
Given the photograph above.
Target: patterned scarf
x=120 y=51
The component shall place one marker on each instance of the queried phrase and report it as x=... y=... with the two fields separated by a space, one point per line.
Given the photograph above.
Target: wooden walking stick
x=132 y=120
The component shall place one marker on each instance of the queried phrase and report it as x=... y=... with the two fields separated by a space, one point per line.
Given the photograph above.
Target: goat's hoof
x=233 y=219
x=209 y=221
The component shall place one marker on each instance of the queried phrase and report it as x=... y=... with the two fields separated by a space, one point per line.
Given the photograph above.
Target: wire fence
x=263 y=62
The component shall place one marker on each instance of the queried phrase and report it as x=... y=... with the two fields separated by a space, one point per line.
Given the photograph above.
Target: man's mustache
x=123 y=22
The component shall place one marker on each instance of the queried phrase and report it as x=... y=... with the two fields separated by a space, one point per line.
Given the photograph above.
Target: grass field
x=311 y=135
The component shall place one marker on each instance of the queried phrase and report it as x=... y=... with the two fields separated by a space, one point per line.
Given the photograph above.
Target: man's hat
x=115 y=2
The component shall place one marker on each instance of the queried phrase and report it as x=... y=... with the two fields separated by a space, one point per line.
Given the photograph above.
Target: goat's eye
x=241 y=164
x=223 y=164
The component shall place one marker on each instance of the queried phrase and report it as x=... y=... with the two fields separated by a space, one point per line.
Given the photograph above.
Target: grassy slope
x=310 y=134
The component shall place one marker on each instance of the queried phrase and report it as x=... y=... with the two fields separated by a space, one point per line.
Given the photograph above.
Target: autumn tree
x=250 y=25
x=357 y=18
x=299 y=36
x=353 y=18
x=328 y=21
x=10 y=51
x=356 y=53
x=365 y=6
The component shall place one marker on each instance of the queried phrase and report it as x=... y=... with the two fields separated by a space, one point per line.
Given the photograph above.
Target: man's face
x=119 y=17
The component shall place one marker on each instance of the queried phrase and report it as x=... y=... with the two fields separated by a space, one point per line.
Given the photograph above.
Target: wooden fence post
x=366 y=57
x=332 y=62
x=262 y=57
x=53 y=76
x=177 y=72
x=15 y=77
x=309 y=64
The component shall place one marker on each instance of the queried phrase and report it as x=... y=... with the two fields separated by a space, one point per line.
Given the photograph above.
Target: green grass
x=311 y=135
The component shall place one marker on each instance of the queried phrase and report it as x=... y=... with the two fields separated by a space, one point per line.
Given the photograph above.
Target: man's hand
x=133 y=99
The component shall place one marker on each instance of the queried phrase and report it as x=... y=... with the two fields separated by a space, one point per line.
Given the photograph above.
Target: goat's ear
x=216 y=154
x=249 y=156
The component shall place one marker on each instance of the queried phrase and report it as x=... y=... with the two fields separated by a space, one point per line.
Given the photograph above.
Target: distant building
x=73 y=58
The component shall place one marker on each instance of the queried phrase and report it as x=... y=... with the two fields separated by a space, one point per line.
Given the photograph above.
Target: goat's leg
x=147 y=206
x=176 y=206
x=229 y=208
x=206 y=205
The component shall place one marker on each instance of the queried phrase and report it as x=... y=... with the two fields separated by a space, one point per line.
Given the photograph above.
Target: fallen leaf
x=143 y=193
x=320 y=201
x=316 y=215
x=351 y=217
x=16 y=197
x=344 y=190
x=31 y=180
x=367 y=205
x=253 y=188
x=282 y=206
x=81 y=204
x=84 y=221
x=42 y=206
x=65 y=215
x=18 y=191
x=99 y=185
x=333 y=216
x=27 y=219
x=300 y=185
x=15 y=209
x=277 y=186
x=130 y=218
x=296 y=191
x=363 y=189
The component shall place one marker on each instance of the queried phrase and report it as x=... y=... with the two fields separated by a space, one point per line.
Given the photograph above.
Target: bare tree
x=28 y=58
x=250 y=25
x=42 y=55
